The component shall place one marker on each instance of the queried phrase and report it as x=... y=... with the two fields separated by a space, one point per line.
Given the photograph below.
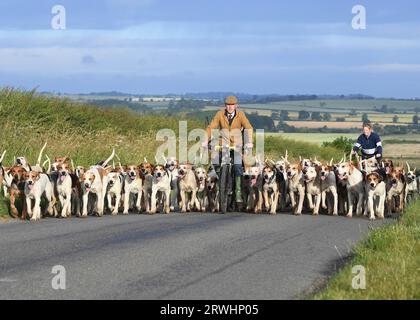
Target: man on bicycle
x=231 y=121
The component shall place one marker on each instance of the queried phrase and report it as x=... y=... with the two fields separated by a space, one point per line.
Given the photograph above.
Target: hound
x=411 y=188
x=187 y=185
x=376 y=194
x=395 y=188
x=282 y=181
x=328 y=186
x=15 y=180
x=133 y=186
x=212 y=191
x=270 y=189
x=146 y=173
x=161 y=183
x=201 y=176
x=38 y=185
x=68 y=189
x=353 y=178
x=114 y=190
x=94 y=181
x=313 y=188
x=296 y=186
x=5 y=179
x=172 y=169
x=253 y=182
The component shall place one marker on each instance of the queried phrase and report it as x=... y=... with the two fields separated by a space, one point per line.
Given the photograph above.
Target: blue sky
x=265 y=46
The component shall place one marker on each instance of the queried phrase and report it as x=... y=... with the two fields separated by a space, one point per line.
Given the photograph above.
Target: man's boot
x=238 y=193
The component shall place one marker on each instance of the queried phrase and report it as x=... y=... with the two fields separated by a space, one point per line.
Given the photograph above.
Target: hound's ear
x=351 y=167
x=300 y=166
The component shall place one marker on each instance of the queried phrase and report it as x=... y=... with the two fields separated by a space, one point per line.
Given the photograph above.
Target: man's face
x=367 y=131
x=230 y=107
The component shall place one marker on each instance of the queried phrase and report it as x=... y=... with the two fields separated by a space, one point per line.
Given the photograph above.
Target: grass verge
x=391 y=258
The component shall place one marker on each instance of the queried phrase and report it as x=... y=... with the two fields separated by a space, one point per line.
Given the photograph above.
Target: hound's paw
x=349 y=215
x=114 y=213
x=125 y=213
x=335 y=213
x=324 y=206
x=372 y=218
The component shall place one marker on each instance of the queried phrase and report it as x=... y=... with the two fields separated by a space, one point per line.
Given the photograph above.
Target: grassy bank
x=391 y=257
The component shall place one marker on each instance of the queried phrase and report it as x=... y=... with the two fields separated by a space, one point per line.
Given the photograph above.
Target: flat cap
x=231 y=100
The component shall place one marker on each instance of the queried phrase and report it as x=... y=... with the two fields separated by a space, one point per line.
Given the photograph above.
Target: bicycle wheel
x=223 y=190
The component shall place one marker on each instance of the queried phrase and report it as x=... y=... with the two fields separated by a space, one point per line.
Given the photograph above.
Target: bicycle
x=226 y=176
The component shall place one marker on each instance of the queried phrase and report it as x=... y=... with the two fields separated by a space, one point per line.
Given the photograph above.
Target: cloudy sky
x=178 y=46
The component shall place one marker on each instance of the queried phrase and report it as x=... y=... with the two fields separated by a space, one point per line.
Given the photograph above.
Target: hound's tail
x=2 y=156
x=109 y=159
x=38 y=162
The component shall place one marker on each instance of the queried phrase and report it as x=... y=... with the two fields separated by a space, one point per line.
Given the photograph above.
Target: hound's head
x=17 y=172
x=159 y=172
x=268 y=174
x=324 y=171
x=411 y=175
x=58 y=161
x=293 y=170
x=184 y=169
x=80 y=171
x=88 y=179
x=395 y=176
x=344 y=170
x=171 y=164
x=211 y=183
x=310 y=174
x=132 y=171
x=281 y=165
x=388 y=164
x=370 y=164
x=146 y=168
x=31 y=178
x=306 y=163
x=63 y=170
x=113 y=177
x=21 y=161
x=251 y=175
x=200 y=174
x=373 y=179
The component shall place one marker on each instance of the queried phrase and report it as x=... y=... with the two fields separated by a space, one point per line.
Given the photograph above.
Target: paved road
x=196 y=256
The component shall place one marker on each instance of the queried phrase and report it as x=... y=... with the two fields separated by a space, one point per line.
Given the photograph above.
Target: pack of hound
x=58 y=188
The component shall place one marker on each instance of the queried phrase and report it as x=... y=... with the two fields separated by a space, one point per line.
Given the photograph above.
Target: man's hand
x=378 y=156
x=249 y=145
x=353 y=152
x=205 y=145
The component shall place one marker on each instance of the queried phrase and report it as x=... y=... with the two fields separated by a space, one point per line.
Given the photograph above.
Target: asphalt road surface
x=194 y=256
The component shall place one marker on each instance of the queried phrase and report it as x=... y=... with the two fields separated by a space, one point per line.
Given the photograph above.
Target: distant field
x=337 y=105
x=317 y=138
x=330 y=124
x=400 y=152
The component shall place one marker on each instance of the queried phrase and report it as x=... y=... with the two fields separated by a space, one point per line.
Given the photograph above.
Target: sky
x=180 y=46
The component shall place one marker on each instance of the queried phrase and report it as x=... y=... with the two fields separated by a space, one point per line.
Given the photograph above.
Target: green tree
x=416 y=120
x=304 y=115
x=284 y=115
x=395 y=119
x=316 y=116
x=326 y=116
x=365 y=118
